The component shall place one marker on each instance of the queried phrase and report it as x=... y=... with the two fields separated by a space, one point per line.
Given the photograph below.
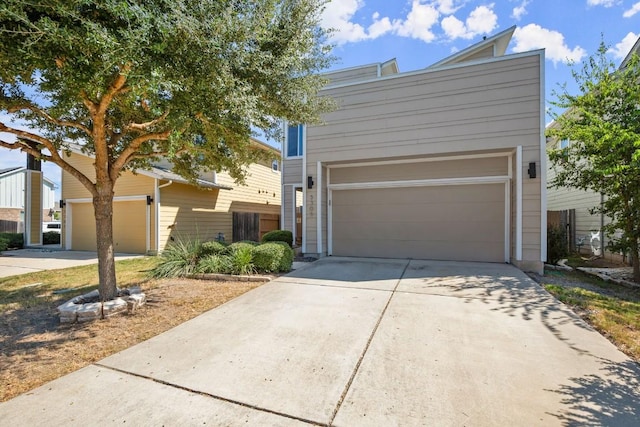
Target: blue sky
x=420 y=32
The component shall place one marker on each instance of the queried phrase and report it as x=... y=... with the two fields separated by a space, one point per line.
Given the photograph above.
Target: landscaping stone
x=89 y=311
x=118 y=305
x=87 y=307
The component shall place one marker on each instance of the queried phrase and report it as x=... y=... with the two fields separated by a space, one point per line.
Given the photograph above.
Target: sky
x=418 y=33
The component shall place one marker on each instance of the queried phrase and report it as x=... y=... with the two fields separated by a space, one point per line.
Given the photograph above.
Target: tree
x=603 y=125
x=133 y=81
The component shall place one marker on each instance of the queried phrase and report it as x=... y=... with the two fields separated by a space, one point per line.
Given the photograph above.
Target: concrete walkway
x=360 y=342
x=25 y=261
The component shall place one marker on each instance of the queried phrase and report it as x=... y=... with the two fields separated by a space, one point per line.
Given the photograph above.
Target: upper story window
x=562 y=144
x=275 y=165
x=294 y=140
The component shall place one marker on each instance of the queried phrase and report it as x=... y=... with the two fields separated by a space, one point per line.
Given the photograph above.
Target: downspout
x=157 y=198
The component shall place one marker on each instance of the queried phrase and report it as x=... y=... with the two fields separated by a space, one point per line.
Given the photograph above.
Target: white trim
x=507 y=221
x=543 y=166
x=147 y=236
x=283 y=199
x=441 y=68
x=421 y=183
x=319 y=209
x=420 y=160
x=329 y=215
x=68 y=223
x=305 y=202
x=156 y=205
x=518 y=178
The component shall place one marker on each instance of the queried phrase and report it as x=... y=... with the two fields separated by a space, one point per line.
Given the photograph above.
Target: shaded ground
x=36 y=348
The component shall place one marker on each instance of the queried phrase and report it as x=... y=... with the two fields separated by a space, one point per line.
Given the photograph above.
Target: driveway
x=360 y=342
x=25 y=261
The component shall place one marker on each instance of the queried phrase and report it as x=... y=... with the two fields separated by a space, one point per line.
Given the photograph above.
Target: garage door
x=456 y=222
x=129 y=227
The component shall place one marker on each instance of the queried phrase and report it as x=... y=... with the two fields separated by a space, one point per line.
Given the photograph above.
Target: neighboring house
x=428 y=164
x=583 y=227
x=154 y=207
x=13 y=186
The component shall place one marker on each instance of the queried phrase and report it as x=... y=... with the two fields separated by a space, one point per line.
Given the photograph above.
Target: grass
x=613 y=310
x=35 y=348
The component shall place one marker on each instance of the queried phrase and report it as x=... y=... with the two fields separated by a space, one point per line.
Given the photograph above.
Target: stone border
x=231 y=277
x=76 y=310
x=597 y=272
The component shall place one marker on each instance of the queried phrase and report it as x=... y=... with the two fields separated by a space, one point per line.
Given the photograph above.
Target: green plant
x=4 y=244
x=234 y=247
x=16 y=240
x=278 y=236
x=249 y=242
x=215 y=264
x=50 y=238
x=273 y=257
x=178 y=259
x=211 y=248
x=242 y=260
x=556 y=244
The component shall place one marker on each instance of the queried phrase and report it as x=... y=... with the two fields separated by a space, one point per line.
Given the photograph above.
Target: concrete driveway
x=25 y=261
x=360 y=342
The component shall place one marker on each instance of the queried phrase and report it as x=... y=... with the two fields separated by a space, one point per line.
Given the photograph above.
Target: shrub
x=4 y=244
x=50 y=238
x=215 y=264
x=211 y=248
x=242 y=260
x=556 y=244
x=16 y=240
x=273 y=257
x=278 y=236
x=234 y=247
x=249 y=242
x=178 y=259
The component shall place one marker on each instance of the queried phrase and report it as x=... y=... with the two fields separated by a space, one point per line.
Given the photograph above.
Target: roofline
x=20 y=169
x=355 y=67
x=537 y=52
x=627 y=58
x=489 y=40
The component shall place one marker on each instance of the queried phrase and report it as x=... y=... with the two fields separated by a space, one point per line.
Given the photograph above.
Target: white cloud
x=520 y=11
x=337 y=16
x=533 y=36
x=480 y=21
x=605 y=3
x=419 y=22
x=634 y=9
x=448 y=7
x=624 y=47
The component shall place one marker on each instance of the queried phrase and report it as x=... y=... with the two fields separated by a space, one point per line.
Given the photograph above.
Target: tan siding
x=484 y=106
x=353 y=74
x=35 y=227
x=481 y=54
x=128 y=184
x=292 y=171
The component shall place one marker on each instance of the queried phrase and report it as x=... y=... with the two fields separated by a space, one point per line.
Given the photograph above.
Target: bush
x=249 y=242
x=279 y=236
x=4 y=244
x=50 y=238
x=179 y=259
x=215 y=264
x=211 y=248
x=556 y=244
x=16 y=240
x=242 y=260
x=273 y=257
x=234 y=247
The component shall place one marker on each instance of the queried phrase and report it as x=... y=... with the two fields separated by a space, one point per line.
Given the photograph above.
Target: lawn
x=36 y=348
x=614 y=310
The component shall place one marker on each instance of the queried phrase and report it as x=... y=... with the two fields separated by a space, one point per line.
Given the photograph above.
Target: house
x=154 y=207
x=440 y=163
x=572 y=207
x=15 y=183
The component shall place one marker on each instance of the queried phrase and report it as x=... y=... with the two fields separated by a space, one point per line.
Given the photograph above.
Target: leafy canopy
x=603 y=124
x=134 y=80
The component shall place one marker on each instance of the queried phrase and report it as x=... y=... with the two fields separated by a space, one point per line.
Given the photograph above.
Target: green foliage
x=16 y=240
x=603 y=125
x=556 y=244
x=4 y=244
x=179 y=259
x=235 y=247
x=249 y=242
x=211 y=248
x=273 y=257
x=216 y=264
x=279 y=236
x=242 y=260
x=50 y=238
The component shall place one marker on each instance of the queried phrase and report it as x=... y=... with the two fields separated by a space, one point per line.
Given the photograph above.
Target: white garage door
x=453 y=222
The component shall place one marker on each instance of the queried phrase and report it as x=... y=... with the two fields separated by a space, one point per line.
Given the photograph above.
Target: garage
x=129 y=227
x=442 y=222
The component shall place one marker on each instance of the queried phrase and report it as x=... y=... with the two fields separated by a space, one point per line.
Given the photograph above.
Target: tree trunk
x=103 y=208
x=635 y=263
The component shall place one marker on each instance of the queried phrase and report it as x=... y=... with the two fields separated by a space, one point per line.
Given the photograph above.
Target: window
x=294 y=140
x=563 y=144
x=275 y=166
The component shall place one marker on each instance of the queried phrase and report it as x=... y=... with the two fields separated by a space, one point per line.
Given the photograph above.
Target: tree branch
x=132 y=149
x=50 y=118
x=143 y=126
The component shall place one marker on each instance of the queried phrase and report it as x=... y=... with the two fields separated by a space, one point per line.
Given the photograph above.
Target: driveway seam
x=213 y=396
x=338 y=287
x=366 y=347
